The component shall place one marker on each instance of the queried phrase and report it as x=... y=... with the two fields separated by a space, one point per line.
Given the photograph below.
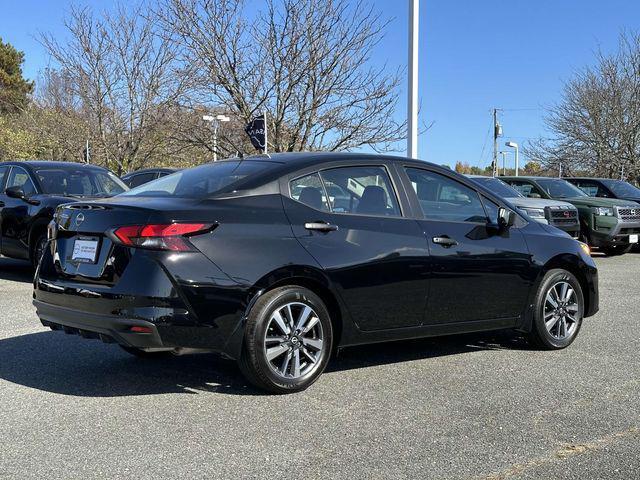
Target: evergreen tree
x=14 y=88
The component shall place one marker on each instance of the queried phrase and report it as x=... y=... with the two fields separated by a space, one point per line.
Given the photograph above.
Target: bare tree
x=125 y=79
x=306 y=62
x=596 y=125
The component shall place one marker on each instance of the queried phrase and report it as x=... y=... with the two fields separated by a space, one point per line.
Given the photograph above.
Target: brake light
x=172 y=236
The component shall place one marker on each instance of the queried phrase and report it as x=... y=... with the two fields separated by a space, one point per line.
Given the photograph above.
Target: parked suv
x=561 y=215
x=30 y=192
x=607 y=188
x=610 y=224
x=234 y=257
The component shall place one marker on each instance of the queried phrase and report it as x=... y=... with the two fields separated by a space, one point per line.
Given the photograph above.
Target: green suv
x=609 y=224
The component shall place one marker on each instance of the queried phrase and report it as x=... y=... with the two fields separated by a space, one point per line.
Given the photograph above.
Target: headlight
x=604 y=211
x=534 y=212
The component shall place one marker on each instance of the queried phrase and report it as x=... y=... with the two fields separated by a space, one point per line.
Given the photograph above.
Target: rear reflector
x=141 y=330
x=170 y=236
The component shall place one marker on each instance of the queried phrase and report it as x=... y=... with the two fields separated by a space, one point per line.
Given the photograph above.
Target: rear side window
x=360 y=190
x=442 y=198
x=203 y=181
x=525 y=189
x=310 y=191
x=141 y=179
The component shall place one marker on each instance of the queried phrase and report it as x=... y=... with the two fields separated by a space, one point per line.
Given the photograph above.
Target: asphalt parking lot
x=478 y=406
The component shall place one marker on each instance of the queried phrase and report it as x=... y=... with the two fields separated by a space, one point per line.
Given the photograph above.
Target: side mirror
x=15 y=192
x=534 y=195
x=506 y=218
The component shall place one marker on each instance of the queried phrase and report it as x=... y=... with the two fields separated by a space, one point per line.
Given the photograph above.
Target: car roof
x=49 y=163
x=597 y=179
x=149 y=170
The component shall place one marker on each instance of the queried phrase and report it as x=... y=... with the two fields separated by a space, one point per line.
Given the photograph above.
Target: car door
x=350 y=219
x=4 y=169
x=478 y=271
x=15 y=215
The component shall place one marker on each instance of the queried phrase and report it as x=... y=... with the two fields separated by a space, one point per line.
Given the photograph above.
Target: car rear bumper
x=108 y=328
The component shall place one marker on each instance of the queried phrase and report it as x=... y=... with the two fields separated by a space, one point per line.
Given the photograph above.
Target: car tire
x=615 y=250
x=288 y=340
x=140 y=353
x=559 y=311
x=37 y=250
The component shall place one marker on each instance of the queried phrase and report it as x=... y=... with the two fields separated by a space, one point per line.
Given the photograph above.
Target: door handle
x=445 y=241
x=321 y=226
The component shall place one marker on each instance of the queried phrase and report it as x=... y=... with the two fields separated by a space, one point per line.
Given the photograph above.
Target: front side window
x=442 y=198
x=309 y=190
x=20 y=178
x=3 y=173
x=589 y=188
x=360 y=190
x=141 y=179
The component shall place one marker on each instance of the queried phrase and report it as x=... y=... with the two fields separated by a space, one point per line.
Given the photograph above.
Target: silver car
x=561 y=215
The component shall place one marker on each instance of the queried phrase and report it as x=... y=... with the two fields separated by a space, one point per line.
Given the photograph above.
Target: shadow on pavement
x=68 y=365
x=16 y=270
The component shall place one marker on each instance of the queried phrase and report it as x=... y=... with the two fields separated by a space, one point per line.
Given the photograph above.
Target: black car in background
x=607 y=188
x=276 y=262
x=30 y=191
x=140 y=177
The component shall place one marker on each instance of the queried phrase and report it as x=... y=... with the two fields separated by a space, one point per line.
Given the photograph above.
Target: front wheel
x=614 y=250
x=559 y=310
x=38 y=249
x=288 y=340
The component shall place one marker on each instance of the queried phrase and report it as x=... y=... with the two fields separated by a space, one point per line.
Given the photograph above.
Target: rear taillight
x=171 y=236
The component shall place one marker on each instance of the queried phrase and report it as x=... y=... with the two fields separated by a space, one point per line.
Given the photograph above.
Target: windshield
x=200 y=182
x=622 y=189
x=498 y=187
x=558 y=188
x=79 y=182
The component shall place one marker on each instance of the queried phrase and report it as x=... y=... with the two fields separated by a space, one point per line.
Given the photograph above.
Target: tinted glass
x=3 y=173
x=590 y=188
x=203 y=181
x=360 y=190
x=79 y=182
x=309 y=190
x=20 y=178
x=558 y=188
x=524 y=188
x=442 y=198
x=491 y=208
x=497 y=186
x=141 y=179
x=622 y=189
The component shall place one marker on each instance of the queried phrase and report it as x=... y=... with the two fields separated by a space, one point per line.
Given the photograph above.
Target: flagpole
x=264 y=113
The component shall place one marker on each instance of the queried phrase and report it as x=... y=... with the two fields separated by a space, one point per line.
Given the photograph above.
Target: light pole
x=514 y=145
x=412 y=104
x=504 y=162
x=215 y=121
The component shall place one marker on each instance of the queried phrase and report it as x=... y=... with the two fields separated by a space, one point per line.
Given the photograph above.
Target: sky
x=474 y=55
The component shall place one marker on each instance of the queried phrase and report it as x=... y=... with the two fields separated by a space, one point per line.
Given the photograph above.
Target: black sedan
x=607 y=188
x=277 y=262
x=30 y=193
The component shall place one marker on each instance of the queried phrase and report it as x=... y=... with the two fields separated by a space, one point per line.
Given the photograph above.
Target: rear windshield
x=498 y=187
x=79 y=182
x=201 y=182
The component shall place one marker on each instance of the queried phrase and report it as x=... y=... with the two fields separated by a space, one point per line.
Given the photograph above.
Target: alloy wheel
x=293 y=343
x=561 y=311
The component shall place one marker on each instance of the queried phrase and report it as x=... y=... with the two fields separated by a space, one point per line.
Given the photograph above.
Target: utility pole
x=412 y=106
x=497 y=132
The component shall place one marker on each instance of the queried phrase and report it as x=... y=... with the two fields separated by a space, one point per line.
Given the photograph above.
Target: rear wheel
x=37 y=251
x=614 y=250
x=288 y=340
x=559 y=310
